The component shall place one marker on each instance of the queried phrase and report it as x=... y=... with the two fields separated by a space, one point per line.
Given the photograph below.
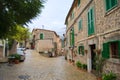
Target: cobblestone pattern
x=37 y=67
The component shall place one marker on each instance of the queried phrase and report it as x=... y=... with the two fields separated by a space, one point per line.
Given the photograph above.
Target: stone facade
x=106 y=29
x=50 y=42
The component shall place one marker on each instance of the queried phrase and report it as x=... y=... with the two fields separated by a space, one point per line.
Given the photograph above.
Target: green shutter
x=119 y=48
x=82 y=50
x=88 y=23
x=106 y=52
x=107 y=4
x=78 y=49
x=110 y=4
x=80 y=25
x=113 y=3
x=41 y=36
x=78 y=2
x=72 y=37
x=91 y=21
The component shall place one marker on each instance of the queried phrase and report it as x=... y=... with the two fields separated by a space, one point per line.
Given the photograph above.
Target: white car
x=21 y=52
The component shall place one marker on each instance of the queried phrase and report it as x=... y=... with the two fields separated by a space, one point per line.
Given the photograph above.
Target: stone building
x=46 y=41
x=94 y=25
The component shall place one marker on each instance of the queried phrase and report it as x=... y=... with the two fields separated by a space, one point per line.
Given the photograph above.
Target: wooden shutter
x=72 y=37
x=78 y=2
x=110 y=4
x=119 y=48
x=78 y=49
x=80 y=25
x=41 y=36
x=107 y=4
x=106 y=51
x=89 y=23
x=113 y=3
x=92 y=21
x=82 y=50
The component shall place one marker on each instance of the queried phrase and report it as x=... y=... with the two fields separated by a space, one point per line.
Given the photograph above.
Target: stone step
x=3 y=60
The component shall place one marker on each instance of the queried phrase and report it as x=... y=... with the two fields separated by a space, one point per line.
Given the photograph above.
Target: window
x=41 y=35
x=80 y=25
x=111 y=49
x=78 y=2
x=81 y=50
x=90 y=22
x=72 y=15
x=72 y=37
x=114 y=49
x=110 y=4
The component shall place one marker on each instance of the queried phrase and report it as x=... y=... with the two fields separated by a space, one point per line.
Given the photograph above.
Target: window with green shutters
x=111 y=49
x=72 y=37
x=41 y=35
x=80 y=24
x=90 y=22
x=119 y=48
x=81 y=50
x=106 y=51
x=110 y=4
x=72 y=15
x=78 y=2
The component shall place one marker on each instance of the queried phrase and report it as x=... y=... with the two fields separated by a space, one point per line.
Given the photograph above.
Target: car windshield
x=20 y=51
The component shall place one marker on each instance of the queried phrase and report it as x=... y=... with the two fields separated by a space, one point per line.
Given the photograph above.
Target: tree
x=21 y=34
x=17 y=12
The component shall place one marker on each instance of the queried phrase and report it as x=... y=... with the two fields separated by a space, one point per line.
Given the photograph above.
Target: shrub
x=16 y=56
x=78 y=64
x=84 y=66
x=109 y=76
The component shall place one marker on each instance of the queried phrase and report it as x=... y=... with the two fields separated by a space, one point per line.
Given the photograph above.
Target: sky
x=53 y=16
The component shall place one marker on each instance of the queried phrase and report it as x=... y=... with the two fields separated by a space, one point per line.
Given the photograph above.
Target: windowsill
x=113 y=60
x=80 y=31
x=110 y=11
x=89 y=35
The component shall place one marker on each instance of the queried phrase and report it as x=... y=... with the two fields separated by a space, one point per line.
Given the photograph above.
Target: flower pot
x=16 y=61
x=99 y=78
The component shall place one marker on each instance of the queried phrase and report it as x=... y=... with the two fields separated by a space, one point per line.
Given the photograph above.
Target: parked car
x=21 y=52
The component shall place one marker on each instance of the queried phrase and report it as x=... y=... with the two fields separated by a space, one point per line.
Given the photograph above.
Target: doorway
x=93 y=54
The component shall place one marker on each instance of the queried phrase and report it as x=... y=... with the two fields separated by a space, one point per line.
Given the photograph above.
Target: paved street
x=37 y=67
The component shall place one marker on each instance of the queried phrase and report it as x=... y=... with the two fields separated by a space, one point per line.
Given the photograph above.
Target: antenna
x=42 y=26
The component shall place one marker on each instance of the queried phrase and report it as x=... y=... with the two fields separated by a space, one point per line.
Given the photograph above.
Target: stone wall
x=1 y=51
x=113 y=66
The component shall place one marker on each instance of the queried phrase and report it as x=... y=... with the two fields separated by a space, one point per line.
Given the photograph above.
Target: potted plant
x=109 y=76
x=78 y=64
x=17 y=58
x=84 y=66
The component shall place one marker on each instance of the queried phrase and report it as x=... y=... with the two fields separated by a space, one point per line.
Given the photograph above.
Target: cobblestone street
x=37 y=67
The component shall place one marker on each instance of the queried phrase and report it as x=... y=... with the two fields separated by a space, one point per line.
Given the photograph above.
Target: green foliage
x=99 y=63
x=84 y=66
x=10 y=43
x=109 y=76
x=17 y=12
x=16 y=56
x=78 y=64
x=21 y=34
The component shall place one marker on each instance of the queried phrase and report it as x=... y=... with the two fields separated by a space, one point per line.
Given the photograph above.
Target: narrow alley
x=37 y=67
